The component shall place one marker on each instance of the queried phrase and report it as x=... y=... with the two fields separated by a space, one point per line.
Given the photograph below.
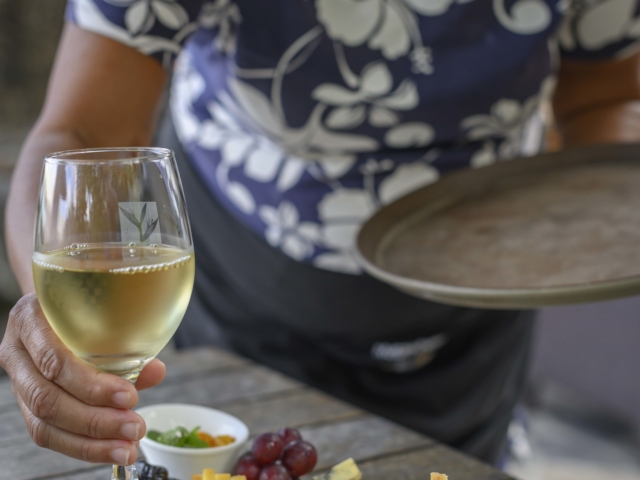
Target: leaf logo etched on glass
x=139 y=222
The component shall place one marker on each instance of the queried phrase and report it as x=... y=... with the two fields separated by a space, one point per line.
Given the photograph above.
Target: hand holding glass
x=113 y=258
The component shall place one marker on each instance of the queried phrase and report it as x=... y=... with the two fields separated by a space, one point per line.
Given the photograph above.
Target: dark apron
x=451 y=373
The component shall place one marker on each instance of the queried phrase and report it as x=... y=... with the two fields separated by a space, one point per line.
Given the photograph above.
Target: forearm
x=21 y=204
x=101 y=94
x=598 y=102
x=604 y=124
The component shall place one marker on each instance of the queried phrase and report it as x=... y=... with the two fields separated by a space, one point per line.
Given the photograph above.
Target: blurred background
x=581 y=418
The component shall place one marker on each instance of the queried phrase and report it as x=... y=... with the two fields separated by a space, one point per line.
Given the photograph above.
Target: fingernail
x=122 y=398
x=130 y=430
x=120 y=456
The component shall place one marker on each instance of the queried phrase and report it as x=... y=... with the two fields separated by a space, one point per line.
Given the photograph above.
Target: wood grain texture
x=296 y=408
x=218 y=387
x=418 y=464
x=12 y=428
x=246 y=383
x=100 y=473
x=265 y=400
x=180 y=363
x=7 y=400
x=21 y=459
x=362 y=439
x=93 y=472
x=26 y=461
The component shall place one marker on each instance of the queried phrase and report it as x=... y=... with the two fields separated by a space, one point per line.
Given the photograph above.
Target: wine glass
x=113 y=261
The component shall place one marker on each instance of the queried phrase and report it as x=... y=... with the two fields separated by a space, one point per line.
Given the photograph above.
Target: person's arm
x=598 y=101
x=101 y=94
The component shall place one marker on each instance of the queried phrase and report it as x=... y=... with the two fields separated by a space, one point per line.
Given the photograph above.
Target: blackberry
x=151 y=472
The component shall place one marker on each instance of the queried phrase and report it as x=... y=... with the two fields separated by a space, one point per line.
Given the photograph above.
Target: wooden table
x=264 y=400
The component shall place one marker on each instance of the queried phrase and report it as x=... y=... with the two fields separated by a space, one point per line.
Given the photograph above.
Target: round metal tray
x=554 y=229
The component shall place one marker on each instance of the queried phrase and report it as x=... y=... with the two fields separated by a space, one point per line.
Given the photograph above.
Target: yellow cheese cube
x=223 y=476
x=347 y=470
x=238 y=477
x=438 y=476
x=208 y=474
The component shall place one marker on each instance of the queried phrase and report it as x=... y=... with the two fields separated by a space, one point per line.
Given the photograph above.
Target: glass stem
x=128 y=472
x=124 y=473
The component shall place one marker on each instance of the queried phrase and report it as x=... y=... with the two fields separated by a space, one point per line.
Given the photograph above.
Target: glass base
x=124 y=473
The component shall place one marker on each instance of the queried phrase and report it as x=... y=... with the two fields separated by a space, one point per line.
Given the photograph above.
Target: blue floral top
x=305 y=116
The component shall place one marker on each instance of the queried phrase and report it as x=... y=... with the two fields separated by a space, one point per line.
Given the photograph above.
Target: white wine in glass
x=113 y=257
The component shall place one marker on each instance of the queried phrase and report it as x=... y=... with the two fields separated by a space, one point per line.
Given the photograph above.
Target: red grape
x=267 y=448
x=289 y=435
x=299 y=458
x=248 y=466
x=274 y=472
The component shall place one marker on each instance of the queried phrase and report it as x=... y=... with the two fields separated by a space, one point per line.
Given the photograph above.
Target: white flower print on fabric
x=280 y=151
x=242 y=128
x=371 y=98
x=249 y=133
x=506 y=121
x=284 y=229
x=187 y=86
x=525 y=17
x=370 y=169
x=599 y=23
x=275 y=135
x=225 y=15
x=486 y=156
x=261 y=158
x=405 y=179
x=506 y=126
x=412 y=134
x=141 y=15
x=341 y=213
x=390 y=26
x=335 y=166
x=310 y=141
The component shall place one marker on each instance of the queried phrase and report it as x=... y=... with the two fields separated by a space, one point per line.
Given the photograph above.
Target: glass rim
x=66 y=156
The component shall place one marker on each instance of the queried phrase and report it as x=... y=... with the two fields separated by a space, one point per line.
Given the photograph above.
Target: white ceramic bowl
x=183 y=462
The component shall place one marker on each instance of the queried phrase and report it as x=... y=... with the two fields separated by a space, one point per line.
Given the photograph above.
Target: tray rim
x=490 y=297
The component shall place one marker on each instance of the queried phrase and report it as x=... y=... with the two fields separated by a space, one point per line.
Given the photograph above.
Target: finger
x=151 y=375
x=54 y=406
x=59 y=365
x=46 y=435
